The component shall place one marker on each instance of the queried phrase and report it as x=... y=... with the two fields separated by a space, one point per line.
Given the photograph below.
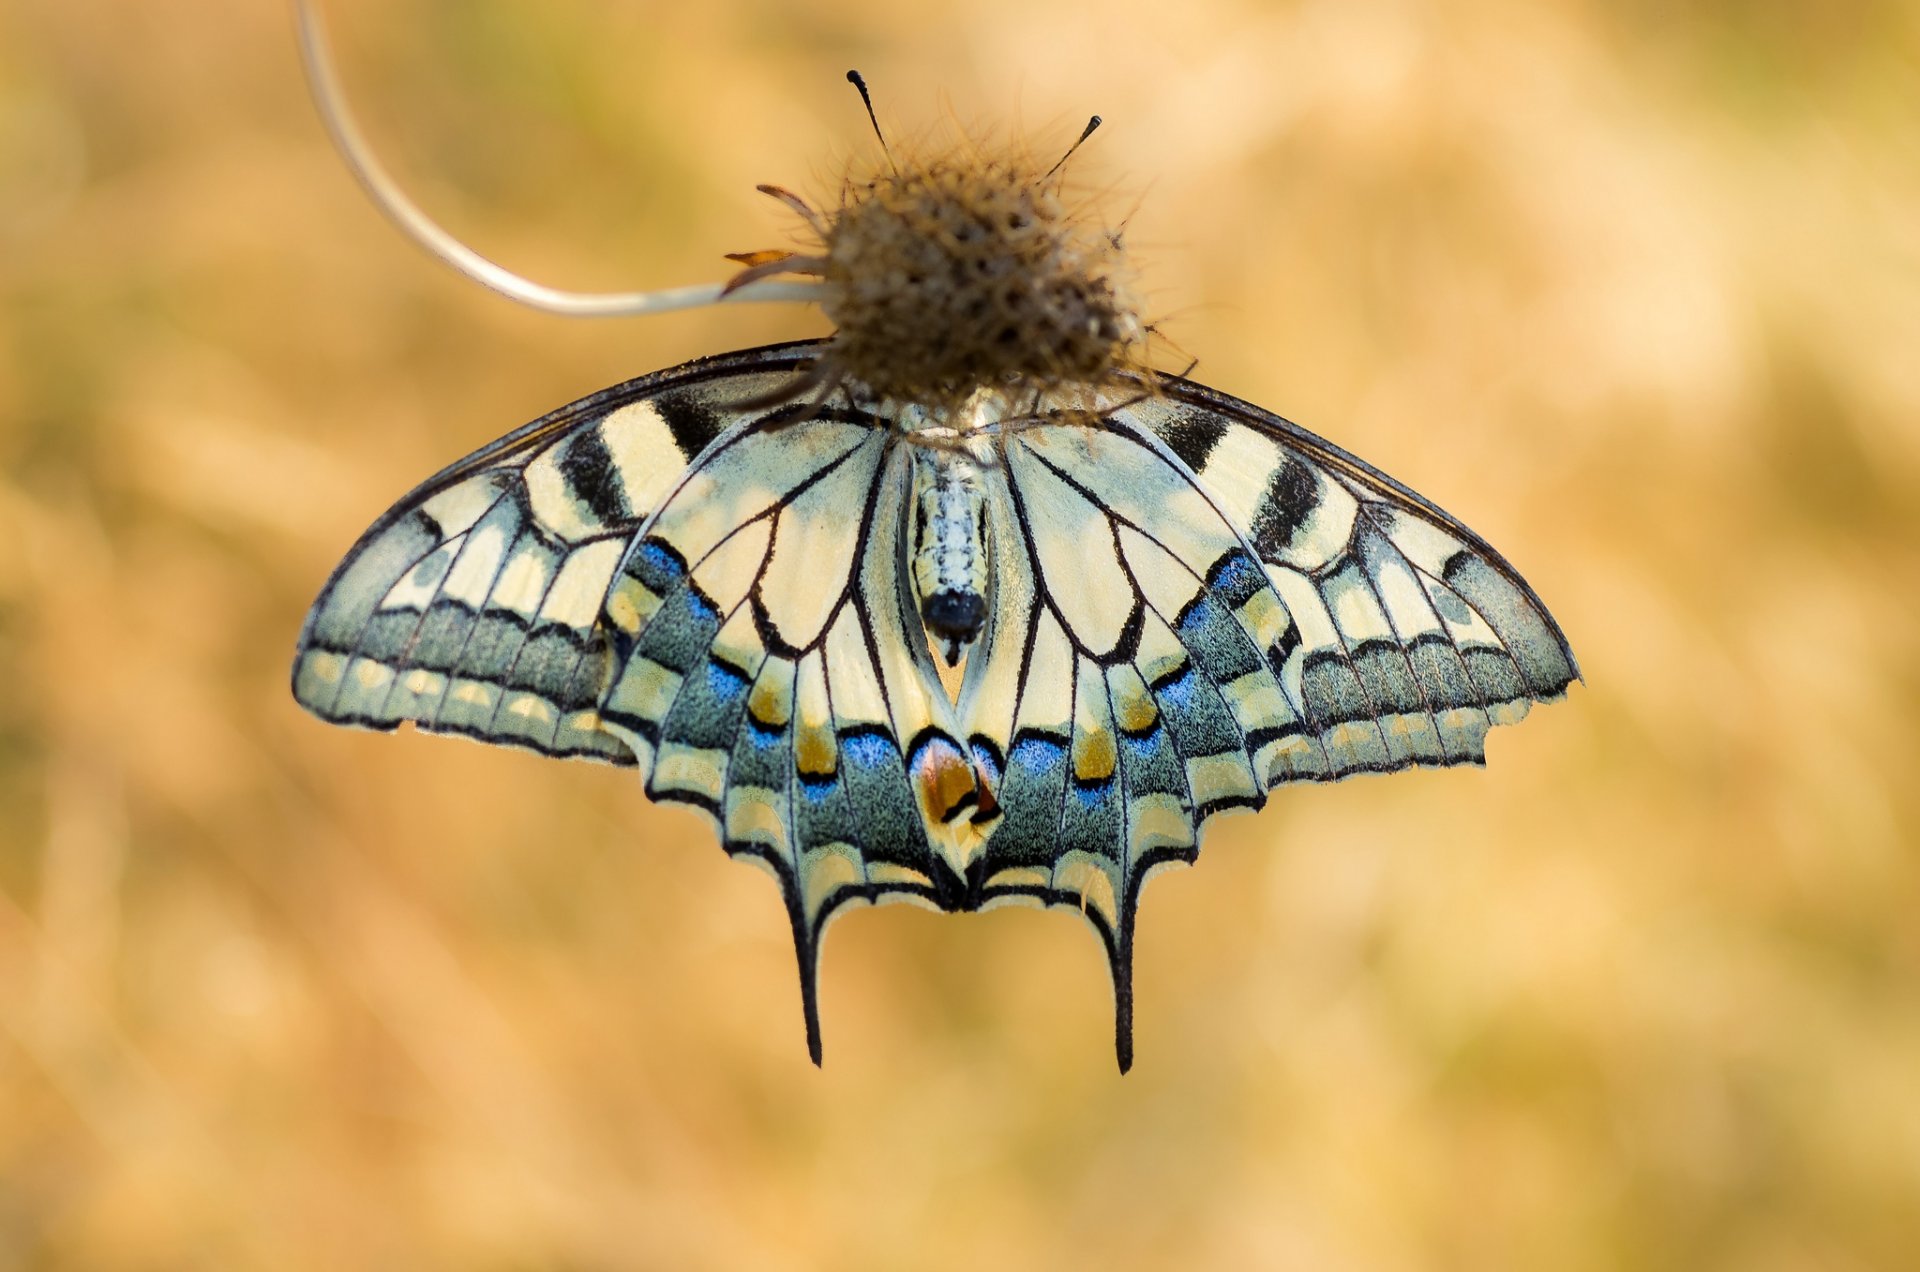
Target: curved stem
x=387 y=195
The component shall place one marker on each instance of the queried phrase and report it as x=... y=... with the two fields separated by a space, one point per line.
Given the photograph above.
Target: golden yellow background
x=1631 y=287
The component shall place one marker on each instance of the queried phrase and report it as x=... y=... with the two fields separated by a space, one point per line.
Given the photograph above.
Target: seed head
x=960 y=273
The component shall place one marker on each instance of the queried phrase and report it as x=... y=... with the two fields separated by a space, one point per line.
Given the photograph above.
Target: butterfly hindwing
x=1147 y=699
x=770 y=673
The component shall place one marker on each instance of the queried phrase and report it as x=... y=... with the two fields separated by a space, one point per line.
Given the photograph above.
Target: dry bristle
x=949 y=276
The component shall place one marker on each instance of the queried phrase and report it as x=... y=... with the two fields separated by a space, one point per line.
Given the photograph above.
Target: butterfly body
x=950 y=558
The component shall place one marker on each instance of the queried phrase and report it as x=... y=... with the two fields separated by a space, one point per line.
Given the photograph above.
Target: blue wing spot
x=656 y=564
x=1036 y=753
x=702 y=607
x=726 y=682
x=1203 y=613
x=1177 y=689
x=1092 y=794
x=1236 y=578
x=987 y=756
x=818 y=789
x=867 y=749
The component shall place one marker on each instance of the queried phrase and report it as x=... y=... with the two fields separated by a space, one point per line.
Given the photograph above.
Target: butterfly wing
x=1196 y=601
x=772 y=673
x=1406 y=619
x=474 y=605
x=659 y=576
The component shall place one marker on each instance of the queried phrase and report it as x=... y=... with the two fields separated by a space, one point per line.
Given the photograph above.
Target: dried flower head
x=945 y=276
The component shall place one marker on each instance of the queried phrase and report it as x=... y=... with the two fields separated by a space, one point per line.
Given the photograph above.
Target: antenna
x=854 y=78
x=330 y=100
x=1085 y=133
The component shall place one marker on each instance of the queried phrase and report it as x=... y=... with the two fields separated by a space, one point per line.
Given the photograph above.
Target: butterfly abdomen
x=949 y=549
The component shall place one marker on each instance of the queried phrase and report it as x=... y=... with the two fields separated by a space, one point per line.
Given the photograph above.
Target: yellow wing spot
x=473 y=693
x=1256 y=700
x=630 y=604
x=646 y=690
x=754 y=815
x=684 y=768
x=421 y=681
x=771 y=701
x=529 y=707
x=885 y=872
x=1509 y=712
x=1351 y=735
x=1409 y=727
x=326 y=668
x=1217 y=777
x=1356 y=743
x=1094 y=886
x=1265 y=618
x=1094 y=755
x=1134 y=709
x=826 y=870
x=372 y=675
x=581 y=729
x=1289 y=755
x=814 y=753
x=1158 y=821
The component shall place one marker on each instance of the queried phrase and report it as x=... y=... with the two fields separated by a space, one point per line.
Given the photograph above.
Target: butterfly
x=741 y=576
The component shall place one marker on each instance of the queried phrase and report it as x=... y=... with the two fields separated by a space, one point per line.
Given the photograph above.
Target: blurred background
x=1634 y=288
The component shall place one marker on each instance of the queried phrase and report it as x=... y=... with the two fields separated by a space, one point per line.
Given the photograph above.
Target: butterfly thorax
x=949 y=548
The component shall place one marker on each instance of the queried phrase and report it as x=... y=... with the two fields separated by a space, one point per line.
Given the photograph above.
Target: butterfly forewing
x=1410 y=634
x=474 y=606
